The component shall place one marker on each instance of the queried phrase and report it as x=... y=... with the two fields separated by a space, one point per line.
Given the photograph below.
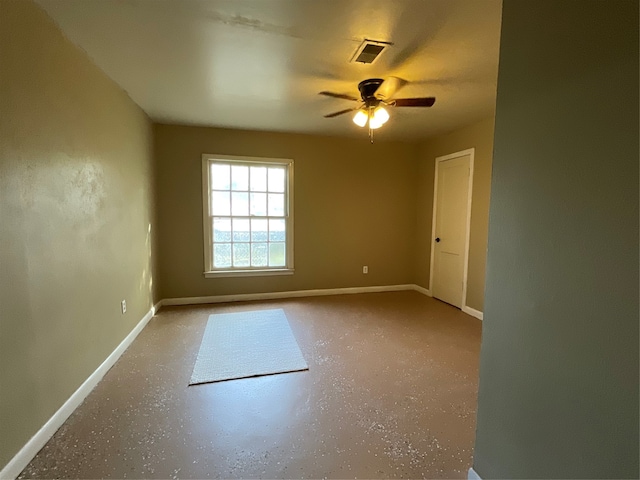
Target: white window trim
x=209 y=272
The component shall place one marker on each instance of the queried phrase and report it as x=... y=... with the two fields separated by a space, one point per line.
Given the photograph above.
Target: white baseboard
x=472 y=475
x=156 y=307
x=468 y=310
x=473 y=312
x=12 y=469
x=422 y=290
x=243 y=297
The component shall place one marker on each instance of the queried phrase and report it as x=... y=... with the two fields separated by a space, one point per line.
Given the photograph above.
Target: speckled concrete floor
x=390 y=393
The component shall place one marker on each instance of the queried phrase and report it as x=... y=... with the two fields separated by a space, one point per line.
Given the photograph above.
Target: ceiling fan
x=374 y=93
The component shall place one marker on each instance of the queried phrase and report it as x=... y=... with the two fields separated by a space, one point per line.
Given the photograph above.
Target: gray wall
x=76 y=216
x=558 y=393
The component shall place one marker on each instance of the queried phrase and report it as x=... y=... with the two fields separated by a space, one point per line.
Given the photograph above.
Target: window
x=248 y=215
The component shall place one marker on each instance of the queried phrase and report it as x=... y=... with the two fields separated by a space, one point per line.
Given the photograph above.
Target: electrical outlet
x=123 y=306
x=365 y=269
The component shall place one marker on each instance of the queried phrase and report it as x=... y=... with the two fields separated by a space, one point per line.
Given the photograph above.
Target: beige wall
x=354 y=206
x=480 y=137
x=75 y=211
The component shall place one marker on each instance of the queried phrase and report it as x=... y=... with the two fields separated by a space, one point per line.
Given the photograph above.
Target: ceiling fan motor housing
x=369 y=87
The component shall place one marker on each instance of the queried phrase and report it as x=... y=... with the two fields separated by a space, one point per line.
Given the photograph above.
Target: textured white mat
x=247 y=344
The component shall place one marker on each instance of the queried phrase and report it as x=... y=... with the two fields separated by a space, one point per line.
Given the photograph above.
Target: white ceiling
x=259 y=64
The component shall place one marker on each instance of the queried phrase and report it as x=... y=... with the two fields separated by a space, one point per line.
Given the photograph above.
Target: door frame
x=471 y=153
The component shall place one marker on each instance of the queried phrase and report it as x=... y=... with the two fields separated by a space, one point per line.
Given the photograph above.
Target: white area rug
x=247 y=344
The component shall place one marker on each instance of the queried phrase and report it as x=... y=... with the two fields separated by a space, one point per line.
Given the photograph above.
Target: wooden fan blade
x=341 y=112
x=340 y=95
x=414 y=102
x=389 y=88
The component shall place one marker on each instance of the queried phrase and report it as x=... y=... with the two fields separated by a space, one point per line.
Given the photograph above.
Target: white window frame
x=207 y=218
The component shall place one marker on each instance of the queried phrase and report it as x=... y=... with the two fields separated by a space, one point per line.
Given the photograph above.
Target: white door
x=451 y=222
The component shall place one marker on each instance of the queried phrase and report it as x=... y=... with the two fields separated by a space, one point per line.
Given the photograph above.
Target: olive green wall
x=75 y=213
x=354 y=206
x=478 y=136
x=558 y=395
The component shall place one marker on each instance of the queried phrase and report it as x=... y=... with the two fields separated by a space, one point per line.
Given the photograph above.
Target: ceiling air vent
x=369 y=51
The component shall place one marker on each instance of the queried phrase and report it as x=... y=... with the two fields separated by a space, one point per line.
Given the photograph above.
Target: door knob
x=437 y=239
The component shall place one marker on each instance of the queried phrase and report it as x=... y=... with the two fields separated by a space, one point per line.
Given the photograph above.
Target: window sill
x=249 y=273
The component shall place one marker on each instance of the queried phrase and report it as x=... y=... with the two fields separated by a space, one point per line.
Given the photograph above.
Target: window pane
x=276 y=179
x=276 y=204
x=259 y=254
x=259 y=204
x=259 y=230
x=240 y=230
x=221 y=255
x=240 y=254
x=220 y=203
x=276 y=255
x=220 y=176
x=258 y=179
x=248 y=208
x=277 y=230
x=239 y=178
x=240 y=204
x=221 y=229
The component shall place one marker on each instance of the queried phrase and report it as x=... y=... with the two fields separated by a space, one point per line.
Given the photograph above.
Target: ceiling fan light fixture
x=380 y=115
x=360 y=118
x=373 y=124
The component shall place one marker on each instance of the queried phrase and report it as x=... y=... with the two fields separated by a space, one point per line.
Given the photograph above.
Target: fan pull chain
x=370 y=114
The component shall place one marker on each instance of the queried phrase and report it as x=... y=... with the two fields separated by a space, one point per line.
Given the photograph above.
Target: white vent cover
x=369 y=51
